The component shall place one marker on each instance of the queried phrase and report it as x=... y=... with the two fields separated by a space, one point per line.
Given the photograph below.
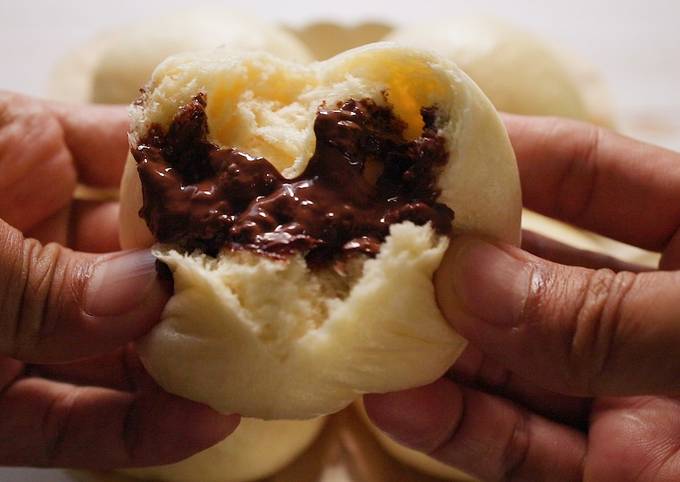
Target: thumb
x=59 y=305
x=571 y=330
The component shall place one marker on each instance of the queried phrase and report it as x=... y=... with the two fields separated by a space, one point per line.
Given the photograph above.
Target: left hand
x=72 y=390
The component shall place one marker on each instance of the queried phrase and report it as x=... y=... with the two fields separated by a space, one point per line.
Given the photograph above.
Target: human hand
x=571 y=373
x=72 y=391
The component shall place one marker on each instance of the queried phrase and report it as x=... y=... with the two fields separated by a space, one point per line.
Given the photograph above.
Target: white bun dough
x=519 y=71
x=418 y=460
x=114 y=66
x=272 y=339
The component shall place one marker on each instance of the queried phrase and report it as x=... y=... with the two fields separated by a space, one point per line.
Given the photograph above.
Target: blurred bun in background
x=114 y=66
x=520 y=72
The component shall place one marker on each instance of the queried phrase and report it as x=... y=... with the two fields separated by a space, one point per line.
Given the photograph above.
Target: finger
x=670 y=258
x=38 y=177
x=86 y=226
x=53 y=424
x=94 y=227
x=475 y=370
x=481 y=434
x=117 y=369
x=96 y=135
x=53 y=229
x=10 y=370
x=562 y=253
x=61 y=305
x=597 y=179
x=572 y=330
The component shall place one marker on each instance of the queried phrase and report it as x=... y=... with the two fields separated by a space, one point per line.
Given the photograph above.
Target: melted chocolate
x=362 y=178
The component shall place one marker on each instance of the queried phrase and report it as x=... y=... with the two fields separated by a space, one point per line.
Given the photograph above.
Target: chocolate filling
x=363 y=177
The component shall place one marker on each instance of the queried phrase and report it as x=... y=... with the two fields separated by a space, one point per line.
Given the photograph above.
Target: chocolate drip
x=363 y=177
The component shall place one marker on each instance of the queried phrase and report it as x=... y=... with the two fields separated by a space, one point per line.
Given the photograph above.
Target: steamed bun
x=273 y=338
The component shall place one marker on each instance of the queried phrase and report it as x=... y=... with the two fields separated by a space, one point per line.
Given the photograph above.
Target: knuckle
x=543 y=289
x=37 y=273
x=596 y=326
x=35 y=290
x=12 y=280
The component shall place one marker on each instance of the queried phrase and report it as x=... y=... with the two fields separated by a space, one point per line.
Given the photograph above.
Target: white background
x=636 y=45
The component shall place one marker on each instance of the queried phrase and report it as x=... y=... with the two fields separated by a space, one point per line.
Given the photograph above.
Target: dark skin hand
x=572 y=372
x=72 y=390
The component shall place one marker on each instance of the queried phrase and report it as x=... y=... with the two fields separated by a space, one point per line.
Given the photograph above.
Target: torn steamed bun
x=303 y=210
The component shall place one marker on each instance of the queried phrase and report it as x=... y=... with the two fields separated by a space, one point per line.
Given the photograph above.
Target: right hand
x=572 y=373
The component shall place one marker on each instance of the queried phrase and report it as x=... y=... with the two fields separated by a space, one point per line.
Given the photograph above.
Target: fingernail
x=491 y=284
x=121 y=283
